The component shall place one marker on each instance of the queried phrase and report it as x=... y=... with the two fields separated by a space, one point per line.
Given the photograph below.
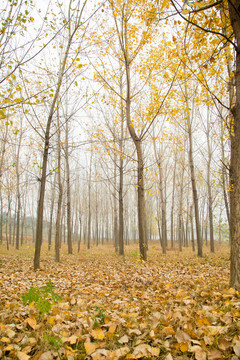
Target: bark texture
x=234 y=11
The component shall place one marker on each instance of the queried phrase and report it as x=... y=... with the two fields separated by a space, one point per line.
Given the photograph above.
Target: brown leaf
x=90 y=347
x=22 y=356
x=223 y=344
x=214 y=354
x=98 y=334
x=116 y=354
x=182 y=336
x=46 y=356
x=168 y=331
x=32 y=323
x=200 y=354
x=236 y=348
x=124 y=339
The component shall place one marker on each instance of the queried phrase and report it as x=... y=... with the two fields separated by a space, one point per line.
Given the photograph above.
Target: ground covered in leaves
x=171 y=307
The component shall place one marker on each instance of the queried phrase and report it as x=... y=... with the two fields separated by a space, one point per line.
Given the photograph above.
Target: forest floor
x=171 y=307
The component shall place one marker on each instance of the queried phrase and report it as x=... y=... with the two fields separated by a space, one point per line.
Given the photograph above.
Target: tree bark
x=40 y=207
x=234 y=11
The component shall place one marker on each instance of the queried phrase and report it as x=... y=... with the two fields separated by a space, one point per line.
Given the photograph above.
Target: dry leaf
x=214 y=354
x=98 y=334
x=183 y=346
x=22 y=356
x=223 y=344
x=236 y=348
x=73 y=339
x=90 y=347
x=32 y=323
x=46 y=356
x=112 y=328
x=124 y=339
x=200 y=354
x=182 y=336
x=215 y=330
x=116 y=354
x=10 y=333
x=168 y=331
x=5 y=340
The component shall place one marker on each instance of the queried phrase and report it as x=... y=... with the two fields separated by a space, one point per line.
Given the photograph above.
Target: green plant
x=44 y=297
x=99 y=317
x=135 y=254
x=54 y=341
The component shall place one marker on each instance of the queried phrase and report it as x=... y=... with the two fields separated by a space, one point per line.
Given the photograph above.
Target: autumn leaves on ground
x=172 y=307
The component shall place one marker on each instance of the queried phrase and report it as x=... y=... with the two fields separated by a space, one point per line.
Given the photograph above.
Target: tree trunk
x=140 y=165
x=69 y=226
x=40 y=207
x=234 y=9
x=60 y=195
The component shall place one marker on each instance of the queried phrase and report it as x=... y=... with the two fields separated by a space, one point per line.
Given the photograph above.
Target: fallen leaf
x=112 y=328
x=214 y=354
x=215 y=330
x=46 y=356
x=98 y=334
x=236 y=348
x=116 y=354
x=32 y=323
x=168 y=331
x=22 y=356
x=5 y=340
x=223 y=344
x=90 y=347
x=183 y=346
x=73 y=339
x=10 y=333
x=182 y=336
x=200 y=354
x=124 y=339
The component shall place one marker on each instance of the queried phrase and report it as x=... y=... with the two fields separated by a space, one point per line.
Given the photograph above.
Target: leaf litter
x=174 y=307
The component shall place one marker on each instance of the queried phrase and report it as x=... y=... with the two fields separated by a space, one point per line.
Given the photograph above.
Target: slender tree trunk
x=194 y=190
x=60 y=196
x=234 y=9
x=18 y=192
x=40 y=208
x=89 y=204
x=192 y=227
x=209 y=186
x=120 y=189
x=172 y=206
x=51 y=213
x=69 y=226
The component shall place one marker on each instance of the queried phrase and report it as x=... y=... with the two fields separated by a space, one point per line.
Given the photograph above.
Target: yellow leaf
x=5 y=340
x=73 y=339
x=51 y=320
x=32 y=323
x=183 y=347
x=22 y=356
x=168 y=330
x=98 y=334
x=112 y=328
x=10 y=333
x=8 y=348
x=90 y=347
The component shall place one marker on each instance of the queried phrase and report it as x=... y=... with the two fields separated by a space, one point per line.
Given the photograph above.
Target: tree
x=234 y=12
x=62 y=67
x=195 y=16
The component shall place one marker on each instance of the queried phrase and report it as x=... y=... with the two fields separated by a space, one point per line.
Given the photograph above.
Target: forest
x=119 y=179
